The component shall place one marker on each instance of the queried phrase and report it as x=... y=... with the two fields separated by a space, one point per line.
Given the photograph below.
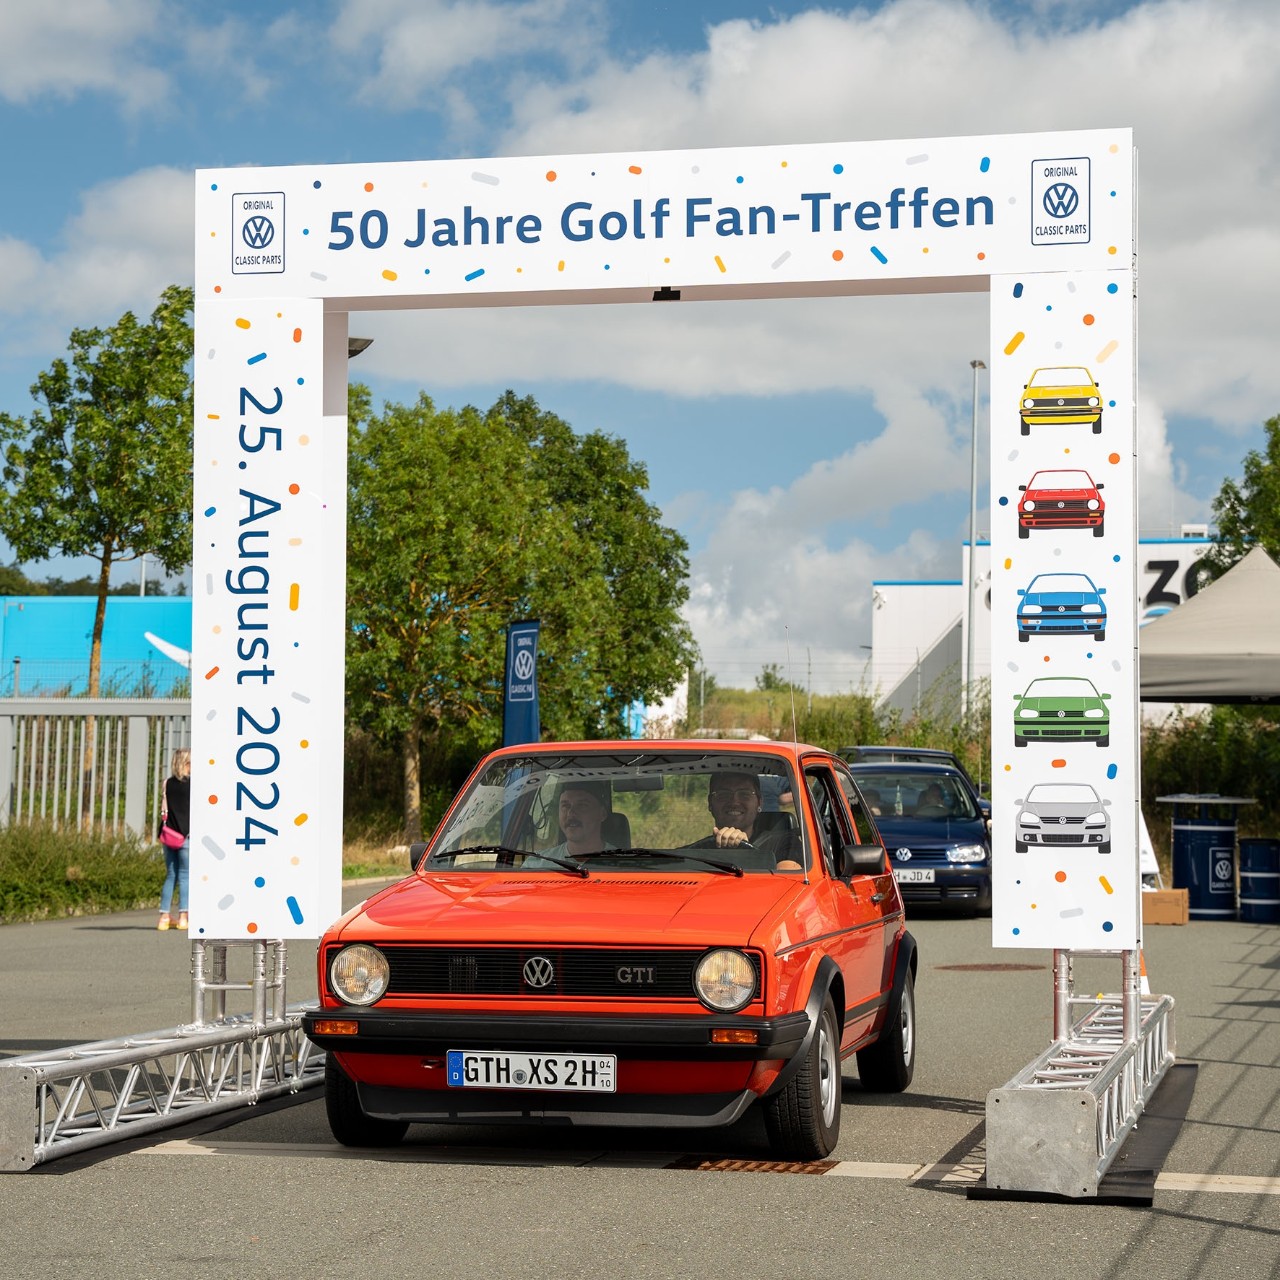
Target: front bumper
x=961 y=885
x=402 y=1032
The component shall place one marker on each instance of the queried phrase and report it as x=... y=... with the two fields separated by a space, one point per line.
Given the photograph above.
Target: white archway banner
x=283 y=254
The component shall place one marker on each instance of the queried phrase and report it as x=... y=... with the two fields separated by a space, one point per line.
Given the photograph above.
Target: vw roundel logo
x=258 y=232
x=902 y=855
x=1061 y=200
x=539 y=971
x=524 y=664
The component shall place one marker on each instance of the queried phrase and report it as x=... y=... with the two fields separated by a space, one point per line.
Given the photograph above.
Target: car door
x=856 y=942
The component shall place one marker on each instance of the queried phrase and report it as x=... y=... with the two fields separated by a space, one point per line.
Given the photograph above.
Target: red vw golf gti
x=626 y=933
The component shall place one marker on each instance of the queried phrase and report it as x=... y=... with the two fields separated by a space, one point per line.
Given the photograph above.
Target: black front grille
x=501 y=971
x=1070 y=839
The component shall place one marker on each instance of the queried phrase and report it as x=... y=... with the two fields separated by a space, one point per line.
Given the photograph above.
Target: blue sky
x=804 y=448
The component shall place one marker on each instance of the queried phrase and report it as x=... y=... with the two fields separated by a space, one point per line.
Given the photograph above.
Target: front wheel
x=803 y=1117
x=348 y=1122
x=888 y=1065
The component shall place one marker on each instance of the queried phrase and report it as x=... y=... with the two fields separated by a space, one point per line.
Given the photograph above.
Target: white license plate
x=913 y=875
x=572 y=1072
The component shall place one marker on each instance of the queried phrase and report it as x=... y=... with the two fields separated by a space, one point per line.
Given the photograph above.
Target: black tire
x=347 y=1120
x=888 y=1065
x=1098 y=530
x=1023 y=531
x=1097 y=426
x=1100 y=635
x=1019 y=741
x=1026 y=427
x=1104 y=741
x=1019 y=846
x=1024 y=637
x=803 y=1117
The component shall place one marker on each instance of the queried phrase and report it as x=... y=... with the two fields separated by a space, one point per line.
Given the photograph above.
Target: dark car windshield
x=628 y=811
x=923 y=794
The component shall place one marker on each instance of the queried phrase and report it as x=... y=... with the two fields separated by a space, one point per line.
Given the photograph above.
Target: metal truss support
x=1060 y=1122
x=53 y=1104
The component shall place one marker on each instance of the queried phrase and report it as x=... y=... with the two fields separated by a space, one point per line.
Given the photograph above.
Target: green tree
x=103 y=467
x=643 y=645
x=1247 y=512
x=458 y=525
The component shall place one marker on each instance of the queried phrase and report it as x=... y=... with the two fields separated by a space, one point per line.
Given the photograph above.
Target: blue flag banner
x=520 y=691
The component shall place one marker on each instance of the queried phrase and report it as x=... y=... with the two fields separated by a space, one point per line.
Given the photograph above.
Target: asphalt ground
x=266 y=1191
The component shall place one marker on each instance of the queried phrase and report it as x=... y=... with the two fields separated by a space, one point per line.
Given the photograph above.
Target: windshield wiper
x=566 y=863
x=730 y=868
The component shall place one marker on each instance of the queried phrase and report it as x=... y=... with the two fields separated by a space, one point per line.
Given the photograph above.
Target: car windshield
x=632 y=810
x=1061 y=378
x=1061 y=480
x=1062 y=793
x=1043 y=583
x=904 y=793
x=1060 y=687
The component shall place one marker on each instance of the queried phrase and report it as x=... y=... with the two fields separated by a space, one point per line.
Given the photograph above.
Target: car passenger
x=581 y=811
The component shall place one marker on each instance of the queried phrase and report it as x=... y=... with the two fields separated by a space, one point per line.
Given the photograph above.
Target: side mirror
x=417 y=854
x=1100 y=485
x=861 y=860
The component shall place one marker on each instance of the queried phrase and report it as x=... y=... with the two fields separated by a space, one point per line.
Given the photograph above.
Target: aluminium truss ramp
x=82 y=1096
x=1056 y=1127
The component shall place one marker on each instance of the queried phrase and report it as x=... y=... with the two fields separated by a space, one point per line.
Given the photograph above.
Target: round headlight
x=1028 y=505
x=1028 y=404
x=1093 y=402
x=725 y=980
x=1032 y=608
x=359 y=974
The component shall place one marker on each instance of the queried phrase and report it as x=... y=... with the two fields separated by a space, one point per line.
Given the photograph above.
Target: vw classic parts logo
x=257 y=233
x=1060 y=201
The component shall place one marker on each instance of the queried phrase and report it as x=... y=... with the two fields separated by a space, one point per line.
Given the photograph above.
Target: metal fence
x=88 y=764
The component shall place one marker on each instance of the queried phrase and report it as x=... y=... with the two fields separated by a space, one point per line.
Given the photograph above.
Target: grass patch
x=49 y=875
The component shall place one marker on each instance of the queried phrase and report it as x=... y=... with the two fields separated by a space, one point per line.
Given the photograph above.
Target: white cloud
x=413 y=45
x=131 y=238
x=78 y=46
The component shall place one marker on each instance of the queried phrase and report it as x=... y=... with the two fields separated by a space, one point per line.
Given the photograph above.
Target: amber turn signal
x=335 y=1027
x=734 y=1035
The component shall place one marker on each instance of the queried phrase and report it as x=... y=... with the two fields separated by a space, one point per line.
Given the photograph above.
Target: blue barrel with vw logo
x=1204 y=853
x=1259 y=881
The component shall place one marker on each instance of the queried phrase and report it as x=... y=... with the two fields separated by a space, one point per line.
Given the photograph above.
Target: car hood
x=896 y=831
x=1052 y=599
x=1062 y=702
x=1048 y=810
x=1063 y=495
x=680 y=908
x=1054 y=391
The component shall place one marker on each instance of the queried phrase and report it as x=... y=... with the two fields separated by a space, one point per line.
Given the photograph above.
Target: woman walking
x=175 y=838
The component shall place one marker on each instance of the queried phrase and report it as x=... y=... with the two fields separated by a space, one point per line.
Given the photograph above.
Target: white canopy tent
x=1222 y=645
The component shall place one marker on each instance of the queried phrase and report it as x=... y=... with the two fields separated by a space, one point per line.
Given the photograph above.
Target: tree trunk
x=95 y=681
x=413 y=783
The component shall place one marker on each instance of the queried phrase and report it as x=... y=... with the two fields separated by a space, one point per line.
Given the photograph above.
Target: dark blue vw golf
x=935 y=830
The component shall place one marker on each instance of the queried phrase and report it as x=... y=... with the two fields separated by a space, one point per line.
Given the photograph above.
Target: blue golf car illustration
x=1061 y=604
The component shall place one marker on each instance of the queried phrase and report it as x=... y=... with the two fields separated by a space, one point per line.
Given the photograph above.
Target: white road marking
x=962 y=1172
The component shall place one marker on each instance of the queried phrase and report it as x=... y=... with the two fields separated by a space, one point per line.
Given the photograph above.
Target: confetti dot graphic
x=1106 y=884
x=295 y=489
x=838 y=255
x=1112 y=288
x=879 y=256
x=1060 y=877
x=390 y=275
x=1088 y=319
x=242 y=323
x=1058 y=764
x=489 y=179
x=300 y=820
x=213 y=671
x=260 y=882
x=474 y=275
x=551 y=175
x=368 y=186
x=1071 y=913
x=1014 y=343
x=294 y=909
x=1017 y=290
x=1112 y=771
x=1108 y=351
x=251 y=927
x=297 y=335
x=294 y=591
x=635 y=168
x=258 y=359
x=985 y=166
x=1113 y=458
x=720 y=264
x=1107 y=926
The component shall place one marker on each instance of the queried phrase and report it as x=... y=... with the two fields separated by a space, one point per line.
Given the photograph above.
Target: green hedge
x=46 y=873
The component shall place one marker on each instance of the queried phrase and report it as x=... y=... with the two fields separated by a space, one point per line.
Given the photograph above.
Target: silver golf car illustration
x=1063 y=815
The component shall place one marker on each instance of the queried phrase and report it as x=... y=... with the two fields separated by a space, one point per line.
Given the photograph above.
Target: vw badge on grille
x=539 y=971
x=903 y=855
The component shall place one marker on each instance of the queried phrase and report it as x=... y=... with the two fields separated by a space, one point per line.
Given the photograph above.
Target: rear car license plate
x=913 y=875
x=574 y=1072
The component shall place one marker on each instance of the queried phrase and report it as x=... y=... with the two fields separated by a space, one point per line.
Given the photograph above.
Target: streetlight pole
x=975 y=365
